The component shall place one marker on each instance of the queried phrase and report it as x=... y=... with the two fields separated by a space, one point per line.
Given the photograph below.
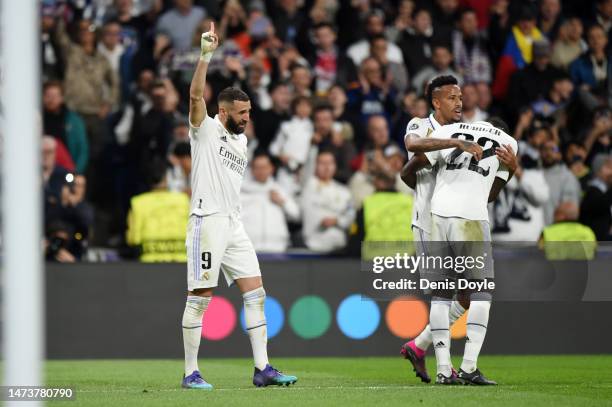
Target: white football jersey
x=426 y=178
x=462 y=183
x=219 y=161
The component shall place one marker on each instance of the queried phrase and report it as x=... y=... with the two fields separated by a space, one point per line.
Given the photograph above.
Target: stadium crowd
x=333 y=84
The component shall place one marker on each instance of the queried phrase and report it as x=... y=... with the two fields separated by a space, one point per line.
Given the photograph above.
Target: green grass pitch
x=524 y=380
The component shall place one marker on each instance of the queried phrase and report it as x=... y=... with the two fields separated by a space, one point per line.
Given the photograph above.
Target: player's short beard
x=233 y=126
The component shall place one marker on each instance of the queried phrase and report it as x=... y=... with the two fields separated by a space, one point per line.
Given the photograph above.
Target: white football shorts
x=218 y=243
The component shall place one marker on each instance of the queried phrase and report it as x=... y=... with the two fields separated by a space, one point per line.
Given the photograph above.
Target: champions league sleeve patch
x=413 y=126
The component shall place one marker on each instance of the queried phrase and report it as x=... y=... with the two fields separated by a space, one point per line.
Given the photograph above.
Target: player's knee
x=256 y=297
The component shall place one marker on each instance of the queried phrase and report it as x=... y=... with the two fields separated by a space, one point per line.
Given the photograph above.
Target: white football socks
x=477 y=321
x=192 y=330
x=256 y=327
x=423 y=341
x=439 y=322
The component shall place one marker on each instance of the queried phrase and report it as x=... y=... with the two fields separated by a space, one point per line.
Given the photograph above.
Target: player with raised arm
x=464 y=186
x=216 y=239
x=444 y=97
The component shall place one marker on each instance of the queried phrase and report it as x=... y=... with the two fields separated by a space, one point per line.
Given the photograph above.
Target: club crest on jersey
x=224 y=138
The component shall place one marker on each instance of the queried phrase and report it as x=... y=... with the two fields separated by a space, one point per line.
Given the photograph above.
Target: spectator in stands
x=330 y=65
x=517 y=51
x=54 y=176
x=158 y=219
x=68 y=217
x=471 y=112
x=554 y=106
x=152 y=131
x=374 y=95
x=267 y=122
x=592 y=71
x=416 y=42
x=393 y=72
x=137 y=37
x=444 y=16
x=291 y=144
x=470 y=50
x=566 y=239
x=110 y=45
x=301 y=80
x=484 y=96
x=326 y=208
x=441 y=64
x=603 y=17
x=52 y=58
x=549 y=20
x=328 y=136
x=374 y=25
x=596 y=207
x=518 y=213
x=403 y=21
x=65 y=125
x=598 y=138
x=562 y=184
x=176 y=26
x=266 y=208
x=287 y=18
x=569 y=44
x=92 y=89
x=575 y=158
x=179 y=173
x=535 y=80
x=386 y=215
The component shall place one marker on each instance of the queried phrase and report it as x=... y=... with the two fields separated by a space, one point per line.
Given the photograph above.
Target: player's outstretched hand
x=471 y=147
x=209 y=41
x=507 y=157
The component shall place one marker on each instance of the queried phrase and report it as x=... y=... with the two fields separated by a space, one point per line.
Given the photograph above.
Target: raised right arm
x=197 y=106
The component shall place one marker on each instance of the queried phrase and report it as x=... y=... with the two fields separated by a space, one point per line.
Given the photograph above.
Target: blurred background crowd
x=333 y=84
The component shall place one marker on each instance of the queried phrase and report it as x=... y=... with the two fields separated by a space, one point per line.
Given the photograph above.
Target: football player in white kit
x=216 y=240
x=444 y=97
x=464 y=186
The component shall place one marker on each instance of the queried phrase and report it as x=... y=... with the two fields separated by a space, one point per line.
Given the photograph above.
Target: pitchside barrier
x=322 y=307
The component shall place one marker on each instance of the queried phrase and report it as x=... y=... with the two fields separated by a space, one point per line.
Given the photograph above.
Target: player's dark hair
x=437 y=83
x=229 y=95
x=499 y=124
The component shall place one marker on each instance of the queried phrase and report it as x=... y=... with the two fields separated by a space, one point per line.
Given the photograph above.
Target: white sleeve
x=204 y=126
